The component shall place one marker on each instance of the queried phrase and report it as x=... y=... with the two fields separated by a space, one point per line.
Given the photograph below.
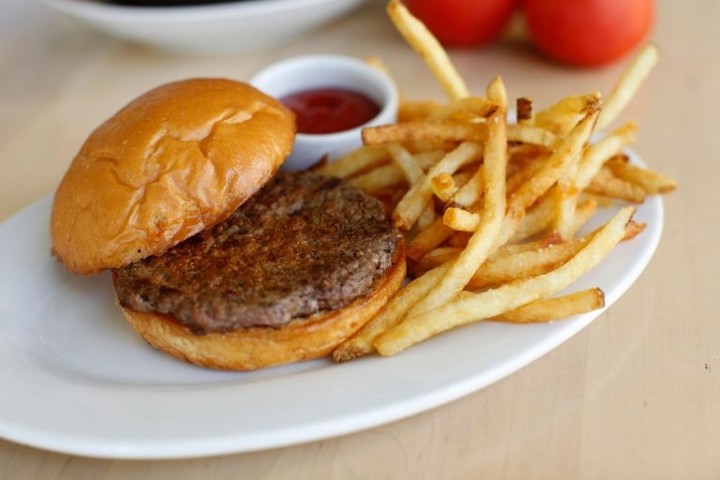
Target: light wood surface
x=635 y=395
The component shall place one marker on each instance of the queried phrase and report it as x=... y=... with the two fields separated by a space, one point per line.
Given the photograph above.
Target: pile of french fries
x=491 y=207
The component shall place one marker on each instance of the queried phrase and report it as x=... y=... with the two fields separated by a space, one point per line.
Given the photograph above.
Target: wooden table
x=634 y=395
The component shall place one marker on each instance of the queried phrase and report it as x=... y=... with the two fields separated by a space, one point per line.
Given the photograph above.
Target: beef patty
x=305 y=243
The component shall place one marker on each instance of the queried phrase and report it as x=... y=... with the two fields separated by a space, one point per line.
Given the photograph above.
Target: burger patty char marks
x=303 y=244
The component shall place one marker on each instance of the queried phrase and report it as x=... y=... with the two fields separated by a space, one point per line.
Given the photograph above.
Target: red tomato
x=463 y=22
x=588 y=32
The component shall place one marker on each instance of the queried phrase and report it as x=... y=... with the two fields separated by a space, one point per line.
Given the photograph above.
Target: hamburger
x=219 y=258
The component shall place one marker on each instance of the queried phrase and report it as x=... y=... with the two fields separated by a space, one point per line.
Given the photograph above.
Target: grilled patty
x=303 y=244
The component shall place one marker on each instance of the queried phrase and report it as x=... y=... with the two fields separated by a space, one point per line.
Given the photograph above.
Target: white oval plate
x=77 y=380
x=215 y=28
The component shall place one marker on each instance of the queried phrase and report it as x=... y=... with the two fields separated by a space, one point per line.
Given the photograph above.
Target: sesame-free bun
x=257 y=347
x=174 y=161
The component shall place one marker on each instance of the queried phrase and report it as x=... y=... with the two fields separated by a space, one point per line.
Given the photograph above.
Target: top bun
x=174 y=161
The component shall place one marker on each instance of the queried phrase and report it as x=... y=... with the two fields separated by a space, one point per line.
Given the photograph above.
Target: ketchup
x=330 y=110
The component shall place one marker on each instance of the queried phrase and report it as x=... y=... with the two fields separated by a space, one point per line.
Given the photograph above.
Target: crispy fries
x=411 y=206
x=407 y=132
x=425 y=43
x=390 y=314
x=605 y=183
x=628 y=84
x=546 y=310
x=496 y=214
x=356 y=161
x=480 y=244
x=651 y=182
x=491 y=303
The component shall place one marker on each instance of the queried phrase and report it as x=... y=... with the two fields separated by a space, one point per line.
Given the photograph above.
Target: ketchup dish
x=334 y=98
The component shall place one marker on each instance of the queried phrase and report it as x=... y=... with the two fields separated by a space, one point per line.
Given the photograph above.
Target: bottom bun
x=256 y=347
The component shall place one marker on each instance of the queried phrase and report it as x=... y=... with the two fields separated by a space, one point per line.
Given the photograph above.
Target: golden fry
x=357 y=161
x=507 y=268
x=492 y=210
x=494 y=302
x=389 y=315
x=599 y=152
x=416 y=111
x=390 y=175
x=437 y=132
x=605 y=183
x=523 y=110
x=410 y=207
x=650 y=181
x=443 y=186
x=435 y=258
x=556 y=164
x=466 y=110
x=561 y=117
x=628 y=84
x=586 y=208
x=530 y=134
x=425 y=43
x=480 y=244
x=408 y=165
x=427 y=239
x=549 y=309
x=461 y=220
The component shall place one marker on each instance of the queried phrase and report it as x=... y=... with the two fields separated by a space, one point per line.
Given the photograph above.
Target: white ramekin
x=325 y=71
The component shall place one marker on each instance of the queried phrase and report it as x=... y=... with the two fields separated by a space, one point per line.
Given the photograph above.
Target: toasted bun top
x=174 y=161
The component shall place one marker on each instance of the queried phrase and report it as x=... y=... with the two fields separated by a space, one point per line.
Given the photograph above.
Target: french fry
x=561 y=117
x=379 y=178
x=650 y=181
x=492 y=210
x=425 y=43
x=471 y=191
x=550 y=309
x=410 y=206
x=416 y=111
x=586 y=208
x=601 y=151
x=427 y=239
x=480 y=244
x=628 y=84
x=389 y=315
x=378 y=64
x=443 y=186
x=435 y=258
x=491 y=303
x=514 y=262
x=445 y=189
x=408 y=165
x=465 y=110
x=412 y=131
x=555 y=165
x=356 y=161
x=605 y=183
x=427 y=217
x=458 y=239
x=536 y=220
x=461 y=220
x=390 y=175
x=633 y=230
x=523 y=110
x=545 y=241
x=508 y=268
x=525 y=173
x=530 y=134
